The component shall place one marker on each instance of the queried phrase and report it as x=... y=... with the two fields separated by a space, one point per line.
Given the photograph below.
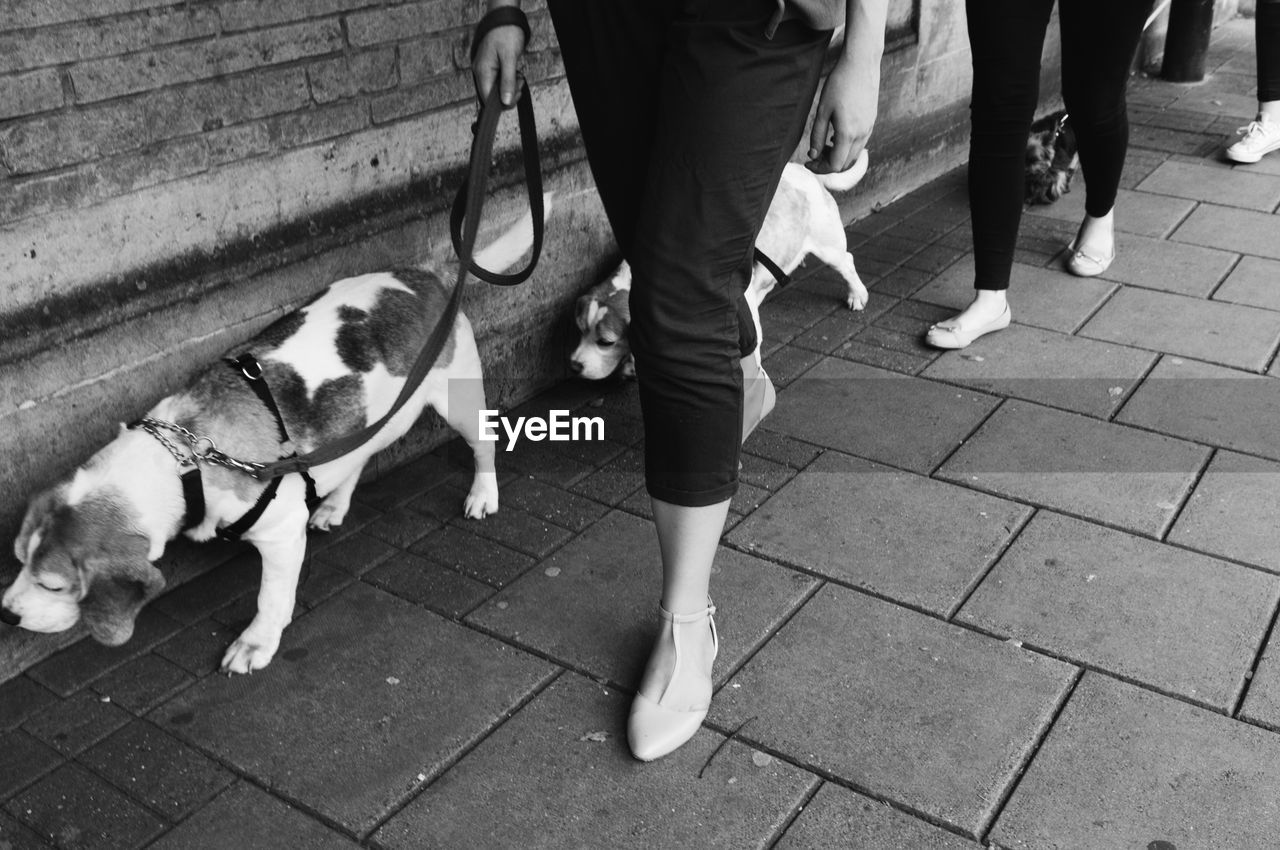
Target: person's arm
x=498 y=57
x=850 y=97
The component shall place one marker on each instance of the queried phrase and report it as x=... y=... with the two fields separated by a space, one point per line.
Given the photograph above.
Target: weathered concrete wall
x=176 y=175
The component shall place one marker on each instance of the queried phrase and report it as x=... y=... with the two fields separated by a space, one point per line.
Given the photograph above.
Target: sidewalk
x=1018 y=596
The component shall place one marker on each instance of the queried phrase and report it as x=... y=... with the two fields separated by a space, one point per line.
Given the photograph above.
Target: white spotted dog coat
x=87 y=544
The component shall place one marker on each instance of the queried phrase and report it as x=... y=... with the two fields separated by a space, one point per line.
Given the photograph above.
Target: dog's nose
x=9 y=618
x=576 y=366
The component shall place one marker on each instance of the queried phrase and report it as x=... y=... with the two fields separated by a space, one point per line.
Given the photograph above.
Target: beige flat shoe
x=1081 y=264
x=654 y=729
x=950 y=337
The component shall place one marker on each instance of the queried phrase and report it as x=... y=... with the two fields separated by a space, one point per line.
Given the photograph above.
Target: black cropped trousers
x=1006 y=37
x=688 y=110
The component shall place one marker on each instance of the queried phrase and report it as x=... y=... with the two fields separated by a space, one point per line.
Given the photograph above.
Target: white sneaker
x=1261 y=137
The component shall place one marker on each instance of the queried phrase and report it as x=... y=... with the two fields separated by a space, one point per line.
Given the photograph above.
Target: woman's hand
x=850 y=97
x=846 y=114
x=497 y=59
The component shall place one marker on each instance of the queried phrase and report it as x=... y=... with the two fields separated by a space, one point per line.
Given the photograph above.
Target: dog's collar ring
x=203 y=447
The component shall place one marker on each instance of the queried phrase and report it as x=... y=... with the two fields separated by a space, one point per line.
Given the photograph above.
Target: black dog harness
x=202 y=450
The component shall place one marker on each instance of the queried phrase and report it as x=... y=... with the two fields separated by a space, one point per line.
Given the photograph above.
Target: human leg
x=1262 y=135
x=733 y=109
x=1005 y=39
x=1096 y=59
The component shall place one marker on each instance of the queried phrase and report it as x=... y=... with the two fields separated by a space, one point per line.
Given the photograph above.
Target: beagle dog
x=803 y=219
x=337 y=364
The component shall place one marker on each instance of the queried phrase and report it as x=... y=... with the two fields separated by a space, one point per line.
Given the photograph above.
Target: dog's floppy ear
x=119 y=580
x=582 y=312
x=39 y=515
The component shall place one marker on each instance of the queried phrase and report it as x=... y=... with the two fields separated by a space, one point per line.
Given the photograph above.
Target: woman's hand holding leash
x=497 y=48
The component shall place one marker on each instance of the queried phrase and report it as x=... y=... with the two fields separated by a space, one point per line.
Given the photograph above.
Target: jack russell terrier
x=87 y=544
x=802 y=219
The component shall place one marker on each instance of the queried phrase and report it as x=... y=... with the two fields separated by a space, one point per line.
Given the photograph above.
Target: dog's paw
x=629 y=367
x=327 y=516
x=483 y=498
x=247 y=654
x=857 y=298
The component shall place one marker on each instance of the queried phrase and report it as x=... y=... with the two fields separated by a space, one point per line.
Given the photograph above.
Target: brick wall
x=136 y=132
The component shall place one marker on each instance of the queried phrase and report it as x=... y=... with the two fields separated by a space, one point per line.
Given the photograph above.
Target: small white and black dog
x=87 y=544
x=1051 y=159
x=803 y=219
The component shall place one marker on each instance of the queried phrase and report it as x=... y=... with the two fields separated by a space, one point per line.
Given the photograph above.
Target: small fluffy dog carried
x=803 y=219
x=1051 y=159
x=87 y=544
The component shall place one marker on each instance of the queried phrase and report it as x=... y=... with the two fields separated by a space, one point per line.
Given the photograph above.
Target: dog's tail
x=505 y=251
x=843 y=181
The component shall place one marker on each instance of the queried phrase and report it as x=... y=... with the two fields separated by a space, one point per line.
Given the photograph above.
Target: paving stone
x=156 y=769
x=473 y=556
x=899 y=535
x=1208 y=404
x=246 y=817
x=1207 y=330
x=1214 y=186
x=142 y=683
x=615 y=481
x=1124 y=767
x=86 y=660
x=76 y=809
x=779 y=448
x=394 y=488
x=748 y=498
x=876 y=414
x=199 y=648
x=1242 y=231
x=1169 y=266
x=205 y=594
x=366 y=694
x=518 y=530
x=836 y=817
x=77 y=722
x=593 y=605
x=932 y=717
x=546 y=780
x=1098 y=470
x=1043 y=297
x=25 y=760
x=20 y=698
x=552 y=503
x=1050 y=368
x=1255 y=282
x=873 y=349
x=424 y=582
x=1177 y=621
x=788 y=363
x=1136 y=212
x=15 y=836
x=1262 y=701
x=1232 y=511
x=1171 y=141
x=763 y=473
x=354 y=554
x=401 y=527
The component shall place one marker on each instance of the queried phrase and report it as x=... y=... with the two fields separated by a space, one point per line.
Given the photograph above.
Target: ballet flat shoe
x=1081 y=264
x=944 y=337
x=653 y=729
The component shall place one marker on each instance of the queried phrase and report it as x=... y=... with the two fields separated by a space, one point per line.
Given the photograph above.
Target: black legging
x=1006 y=38
x=689 y=112
x=1266 y=24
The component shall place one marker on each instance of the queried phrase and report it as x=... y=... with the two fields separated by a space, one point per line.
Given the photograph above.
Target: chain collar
x=197 y=449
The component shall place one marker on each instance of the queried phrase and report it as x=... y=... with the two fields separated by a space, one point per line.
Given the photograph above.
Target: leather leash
x=465 y=222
